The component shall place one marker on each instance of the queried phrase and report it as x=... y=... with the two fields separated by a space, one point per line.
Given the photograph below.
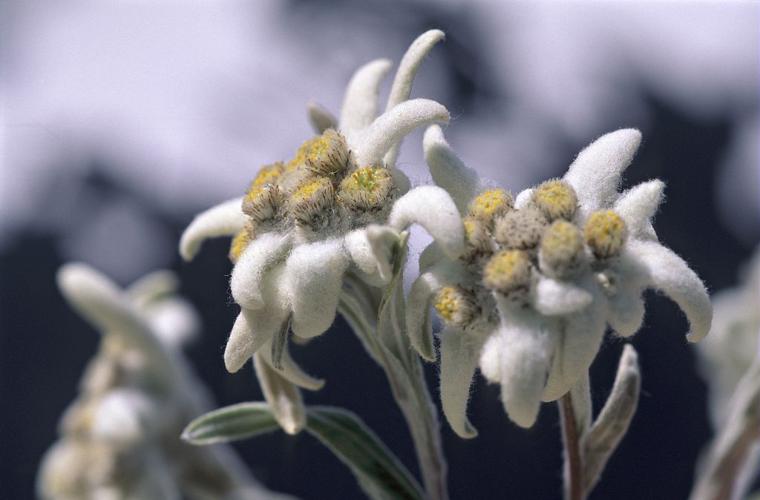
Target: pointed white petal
x=400 y=180
x=554 y=297
x=432 y=208
x=410 y=63
x=360 y=102
x=523 y=198
x=224 y=219
x=519 y=356
x=407 y=69
x=460 y=353
x=448 y=171
x=289 y=369
x=393 y=125
x=245 y=340
x=578 y=340
x=596 y=172
x=418 y=324
x=670 y=274
x=256 y=261
x=314 y=279
x=320 y=118
x=626 y=305
x=638 y=205
x=283 y=397
x=365 y=257
x=382 y=240
x=107 y=308
x=431 y=255
x=153 y=286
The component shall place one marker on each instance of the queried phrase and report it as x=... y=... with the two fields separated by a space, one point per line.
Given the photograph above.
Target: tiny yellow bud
x=367 y=188
x=311 y=201
x=508 y=272
x=328 y=155
x=268 y=174
x=605 y=233
x=455 y=305
x=556 y=199
x=240 y=243
x=561 y=250
x=489 y=204
x=262 y=202
x=302 y=153
x=476 y=236
x=520 y=229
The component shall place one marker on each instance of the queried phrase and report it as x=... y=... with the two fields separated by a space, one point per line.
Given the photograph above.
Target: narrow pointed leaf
x=231 y=423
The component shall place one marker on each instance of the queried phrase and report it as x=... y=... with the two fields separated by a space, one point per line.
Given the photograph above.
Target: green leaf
x=231 y=423
x=378 y=471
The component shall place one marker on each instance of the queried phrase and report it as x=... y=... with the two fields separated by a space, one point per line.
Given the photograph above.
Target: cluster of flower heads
x=336 y=208
x=121 y=437
x=541 y=277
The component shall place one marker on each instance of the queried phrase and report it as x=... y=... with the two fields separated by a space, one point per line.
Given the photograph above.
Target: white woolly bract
x=460 y=354
x=174 y=321
x=407 y=70
x=320 y=118
x=578 y=337
x=359 y=107
x=256 y=261
x=554 y=297
x=638 y=205
x=518 y=356
x=523 y=198
x=448 y=171
x=282 y=396
x=224 y=219
x=255 y=327
x=392 y=126
x=432 y=208
x=418 y=324
x=314 y=280
x=289 y=369
x=382 y=240
x=596 y=172
x=670 y=274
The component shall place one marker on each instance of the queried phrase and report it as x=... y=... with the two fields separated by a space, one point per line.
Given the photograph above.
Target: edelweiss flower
x=121 y=437
x=304 y=224
x=541 y=277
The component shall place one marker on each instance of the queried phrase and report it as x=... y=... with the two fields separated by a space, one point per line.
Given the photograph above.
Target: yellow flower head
x=520 y=229
x=311 y=200
x=561 y=250
x=366 y=188
x=455 y=305
x=508 y=271
x=556 y=199
x=605 y=233
x=328 y=155
x=489 y=204
x=240 y=243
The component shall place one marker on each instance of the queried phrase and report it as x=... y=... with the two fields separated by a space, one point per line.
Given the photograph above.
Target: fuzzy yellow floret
x=454 y=306
x=508 y=271
x=239 y=244
x=366 y=187
x=490 y=203
x=328 y=154
x=311 y=200
x=605 y=233
x=556 y=199
x=561 y=250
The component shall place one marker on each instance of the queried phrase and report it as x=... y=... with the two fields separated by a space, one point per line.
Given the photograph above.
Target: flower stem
x=571 y=442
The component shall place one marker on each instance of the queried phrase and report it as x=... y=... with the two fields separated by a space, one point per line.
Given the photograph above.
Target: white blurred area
x=183 y=101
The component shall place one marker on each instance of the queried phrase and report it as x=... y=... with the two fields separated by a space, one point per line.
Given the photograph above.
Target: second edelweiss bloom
x=335 y=208
x=542 y=276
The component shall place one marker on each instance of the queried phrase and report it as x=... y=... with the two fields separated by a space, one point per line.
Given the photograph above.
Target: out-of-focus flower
x=121 y=437
x=335 y=208
x=542 y=276
x=731 y=347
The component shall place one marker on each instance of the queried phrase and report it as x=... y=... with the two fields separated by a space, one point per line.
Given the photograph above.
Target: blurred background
x=120 y=120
